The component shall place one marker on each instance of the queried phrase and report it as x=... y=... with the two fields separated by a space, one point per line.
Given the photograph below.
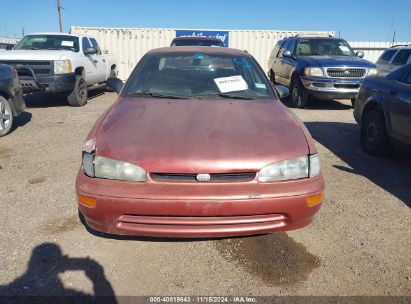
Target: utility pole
x=59 y=10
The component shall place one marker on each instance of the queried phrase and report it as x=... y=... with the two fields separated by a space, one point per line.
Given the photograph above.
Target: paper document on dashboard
x=231 y=84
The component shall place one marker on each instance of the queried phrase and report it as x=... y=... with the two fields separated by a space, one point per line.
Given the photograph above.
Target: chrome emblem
x=203 y=177
x=347 y=72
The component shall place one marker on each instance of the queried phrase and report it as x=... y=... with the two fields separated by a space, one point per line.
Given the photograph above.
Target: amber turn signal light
x=86 y=200
x=312 y=200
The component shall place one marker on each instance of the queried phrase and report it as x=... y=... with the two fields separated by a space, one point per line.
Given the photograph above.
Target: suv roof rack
x=314 y=35
x=399 y=45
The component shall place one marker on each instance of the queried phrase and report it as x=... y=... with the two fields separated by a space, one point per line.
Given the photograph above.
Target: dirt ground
x=359 y=243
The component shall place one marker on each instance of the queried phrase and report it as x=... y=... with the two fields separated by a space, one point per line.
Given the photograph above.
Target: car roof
x=52 y=33
x=400 y=46
x=197 y=38
x=59 y=34
x=199 y=49
x=317 y=37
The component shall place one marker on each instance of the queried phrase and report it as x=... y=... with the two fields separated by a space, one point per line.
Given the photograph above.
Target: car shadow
x=42 y=280
x=392 y=173
x=320 y=104
x=21 y=120
x=42 y=100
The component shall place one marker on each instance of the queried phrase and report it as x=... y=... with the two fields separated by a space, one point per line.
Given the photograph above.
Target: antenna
x=393 y=38
x=59 y=8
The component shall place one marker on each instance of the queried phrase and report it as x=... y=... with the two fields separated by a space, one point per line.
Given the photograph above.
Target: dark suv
x=324 y=67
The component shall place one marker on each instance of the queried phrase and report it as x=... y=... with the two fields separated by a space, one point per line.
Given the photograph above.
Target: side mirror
x=282 y=91
x=115 y=84
x=360 y=54
x=287 y=54
x=9 y=47
x=90 y=51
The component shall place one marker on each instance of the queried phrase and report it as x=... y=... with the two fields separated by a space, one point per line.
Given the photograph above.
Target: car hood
x=194 y=136
x=35 y=55
x=336 y=61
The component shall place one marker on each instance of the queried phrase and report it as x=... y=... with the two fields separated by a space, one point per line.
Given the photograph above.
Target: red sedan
x=198 y=145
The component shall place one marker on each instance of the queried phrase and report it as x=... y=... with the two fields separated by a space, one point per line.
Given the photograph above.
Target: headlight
x=103 y=167
x=62 y=66
x=301 y=167
x=318 y=72
x=372 y=71
x=113 y=169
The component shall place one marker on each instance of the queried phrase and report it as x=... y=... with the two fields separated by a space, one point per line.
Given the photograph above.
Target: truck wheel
x=78 y=97
x=6 y=116
x=374 y=137
x=298 y=96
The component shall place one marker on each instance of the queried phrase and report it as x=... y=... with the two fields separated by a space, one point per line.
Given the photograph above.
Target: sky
x=354 y=20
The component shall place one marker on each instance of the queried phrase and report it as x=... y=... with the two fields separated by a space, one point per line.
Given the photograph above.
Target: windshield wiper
x=232 y=96
x=159 y=95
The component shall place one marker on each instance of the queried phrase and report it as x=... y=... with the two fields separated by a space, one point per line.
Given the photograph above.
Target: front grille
x=216 y=177
x=38 y=67
x=346 y=72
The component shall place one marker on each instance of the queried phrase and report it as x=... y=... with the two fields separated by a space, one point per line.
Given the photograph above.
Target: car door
x=100 y=62
x=273 y=55
x=279 y=71
x=90 y=66
x=399 y=98
x=288 y=64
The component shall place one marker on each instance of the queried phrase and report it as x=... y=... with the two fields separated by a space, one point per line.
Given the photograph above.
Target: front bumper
x=32 y=82
x=332 y=88
x=167 y=209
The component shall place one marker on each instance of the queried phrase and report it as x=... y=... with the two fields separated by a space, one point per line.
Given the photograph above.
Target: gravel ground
x=359 y=243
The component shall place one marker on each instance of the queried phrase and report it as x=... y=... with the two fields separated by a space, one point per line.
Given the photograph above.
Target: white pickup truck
x=60 y=63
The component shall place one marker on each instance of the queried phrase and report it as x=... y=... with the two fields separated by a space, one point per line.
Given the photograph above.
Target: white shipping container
x=130 y=44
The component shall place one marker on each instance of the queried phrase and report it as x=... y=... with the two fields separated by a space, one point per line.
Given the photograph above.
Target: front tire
x=78 y=97
x=6 y=116
x=374 y=136
x=299 y=96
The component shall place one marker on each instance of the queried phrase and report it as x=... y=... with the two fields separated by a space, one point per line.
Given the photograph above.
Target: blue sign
x=223 y=35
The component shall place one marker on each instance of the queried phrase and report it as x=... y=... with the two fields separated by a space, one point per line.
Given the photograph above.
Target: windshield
x=48 y=42
x=198 y=42
x=323 y=47
x=199 y=76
